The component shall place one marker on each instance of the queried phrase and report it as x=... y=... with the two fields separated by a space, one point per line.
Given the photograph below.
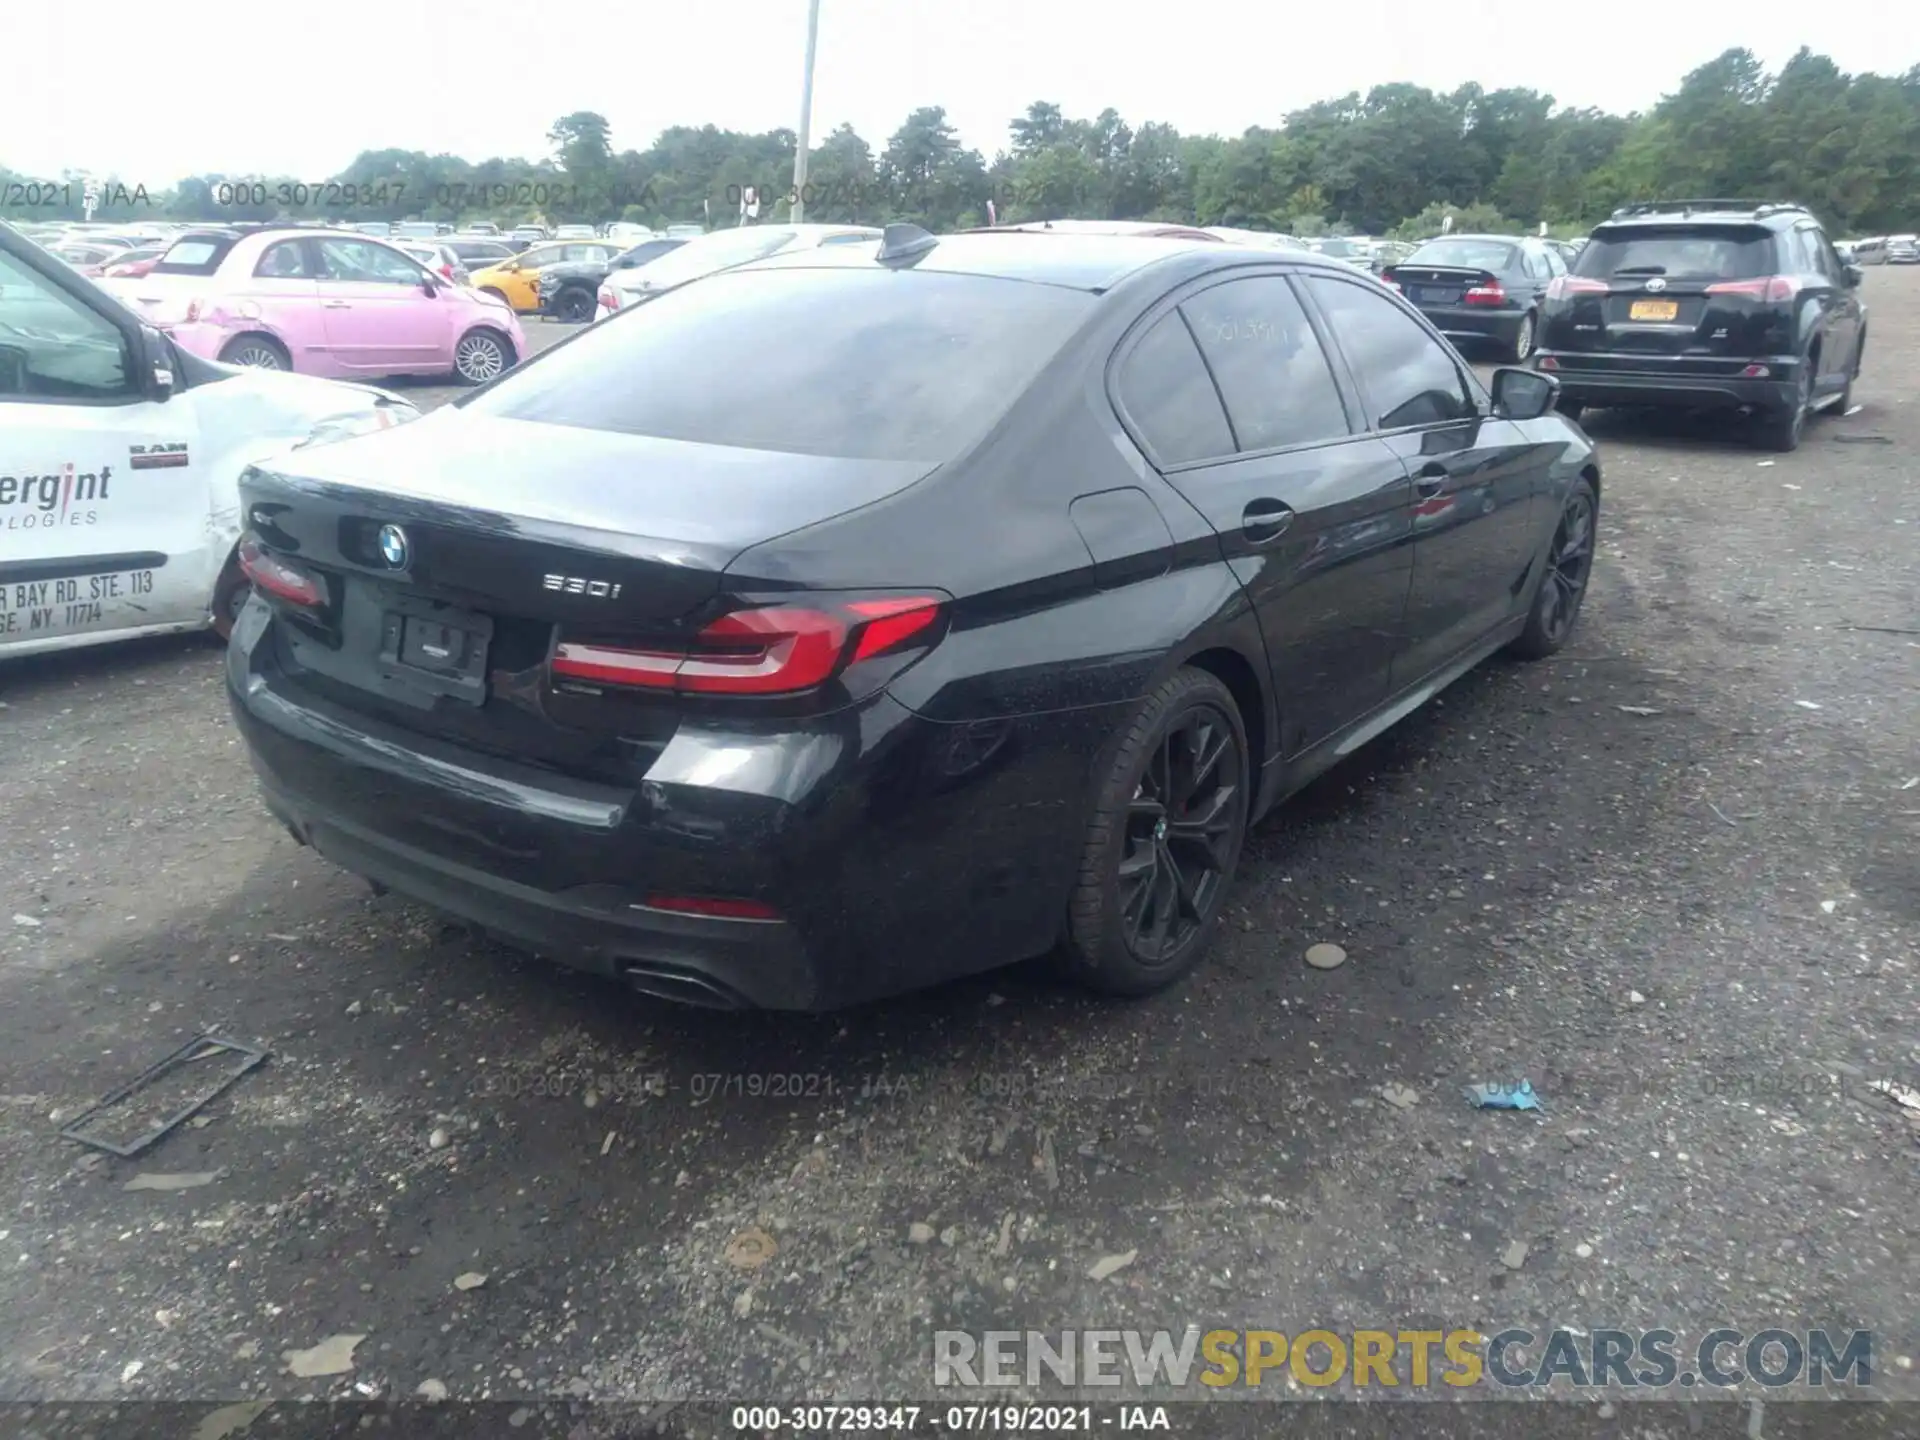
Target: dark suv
x=1707 y=304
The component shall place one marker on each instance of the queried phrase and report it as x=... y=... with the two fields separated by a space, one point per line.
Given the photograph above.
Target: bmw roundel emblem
x=393 y=547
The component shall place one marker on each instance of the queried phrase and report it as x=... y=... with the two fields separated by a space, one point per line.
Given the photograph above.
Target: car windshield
x=1463 y=254
x=714 y=252
x=1694 y=252
x=861 y=363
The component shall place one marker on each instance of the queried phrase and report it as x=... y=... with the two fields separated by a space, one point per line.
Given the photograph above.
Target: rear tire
x=256 y=352
x=1569 y=565
x=1781 y=430
x=573 y=307
x=1523 y=340
x=1163 y=842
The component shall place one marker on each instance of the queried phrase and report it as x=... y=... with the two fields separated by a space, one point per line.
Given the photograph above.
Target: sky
x=239 y=87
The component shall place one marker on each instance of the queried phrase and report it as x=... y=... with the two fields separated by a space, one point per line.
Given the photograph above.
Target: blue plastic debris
x=1512 y=1095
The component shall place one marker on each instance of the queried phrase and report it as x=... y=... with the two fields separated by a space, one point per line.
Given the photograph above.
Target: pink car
x=321 y=302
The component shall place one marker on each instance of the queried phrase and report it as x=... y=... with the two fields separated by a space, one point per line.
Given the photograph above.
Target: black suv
x=1707 y=304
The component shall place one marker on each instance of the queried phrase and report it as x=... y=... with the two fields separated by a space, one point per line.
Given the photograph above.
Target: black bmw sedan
x=873 y=615
x=1483 y=289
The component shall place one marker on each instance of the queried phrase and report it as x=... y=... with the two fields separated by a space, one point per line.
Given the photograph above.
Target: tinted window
x=1693 y=252
x=1268 y=363
x=1165 y=388
x=868 y=364
x=52 y=347
x=1464 y=254
x=1409 y=376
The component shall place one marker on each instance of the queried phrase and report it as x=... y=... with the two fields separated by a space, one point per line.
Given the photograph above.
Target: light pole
x=797 y=212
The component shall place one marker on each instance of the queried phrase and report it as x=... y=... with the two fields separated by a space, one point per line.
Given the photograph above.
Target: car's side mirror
x=1854 y=275
x=1523 y=394
x=430 y=285
x=156 y=364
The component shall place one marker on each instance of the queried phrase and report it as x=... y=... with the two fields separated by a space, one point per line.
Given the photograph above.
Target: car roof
x=1094 y=261
x=1499 y=239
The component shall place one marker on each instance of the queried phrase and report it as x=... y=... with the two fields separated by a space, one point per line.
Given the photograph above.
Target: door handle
x=1265 y=520
x=335 y=305
x=1431 y=479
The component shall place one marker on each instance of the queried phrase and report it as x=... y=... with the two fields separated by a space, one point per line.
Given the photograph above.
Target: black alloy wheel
x=1569 y=565
x=1165 y=840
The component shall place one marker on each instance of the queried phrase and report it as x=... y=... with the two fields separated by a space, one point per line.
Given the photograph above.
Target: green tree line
x=1393 y=160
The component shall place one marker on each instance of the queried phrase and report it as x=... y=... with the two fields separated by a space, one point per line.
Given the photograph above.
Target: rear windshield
x=1463 y=254
x=193 y=257
x=1692 y=252
x=866 y=364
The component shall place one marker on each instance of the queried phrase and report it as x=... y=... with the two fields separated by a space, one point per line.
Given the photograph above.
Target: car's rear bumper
x=1677 y=385
x=1461 y=322
x=889 y=863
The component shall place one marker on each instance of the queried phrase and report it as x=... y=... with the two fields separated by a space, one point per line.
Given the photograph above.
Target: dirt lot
x=1671 y=878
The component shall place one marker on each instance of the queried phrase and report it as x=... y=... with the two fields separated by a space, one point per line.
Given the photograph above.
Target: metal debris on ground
x=200 y=1048
x=751 y=1249
x=1111 y=1265
x=472 y=1280
x=187 y=1180
x=1503 y=1097
x=1515 y=1255
x=1638 y=710
x=1808 y=704
x=1905 y=1096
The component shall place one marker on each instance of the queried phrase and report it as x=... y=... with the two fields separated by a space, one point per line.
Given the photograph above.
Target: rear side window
x=865 y=364
x=1693 y=252
x=1272 y=373
x=193 y=257
x=1164 y=387
x=1410 y=376
x=1464 y=254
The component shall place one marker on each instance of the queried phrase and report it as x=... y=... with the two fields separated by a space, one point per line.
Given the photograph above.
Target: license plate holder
x=1659 y=312
x=436 y=648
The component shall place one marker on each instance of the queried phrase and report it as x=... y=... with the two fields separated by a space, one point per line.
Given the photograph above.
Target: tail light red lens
x=1565 y=287
x=1491 y=293
x=776 y=650
x=275 y=576
x=609 y=298
x=1765 y=288
x=447 y=271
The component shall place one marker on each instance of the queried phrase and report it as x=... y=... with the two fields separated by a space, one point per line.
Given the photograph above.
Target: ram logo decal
x=580 y=585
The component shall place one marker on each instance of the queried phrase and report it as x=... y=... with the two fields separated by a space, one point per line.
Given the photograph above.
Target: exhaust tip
x=682 y=987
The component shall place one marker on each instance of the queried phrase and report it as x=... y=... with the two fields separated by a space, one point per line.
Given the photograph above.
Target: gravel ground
x=1671 y=878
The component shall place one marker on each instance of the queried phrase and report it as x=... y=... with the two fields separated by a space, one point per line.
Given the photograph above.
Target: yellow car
x=516 y=280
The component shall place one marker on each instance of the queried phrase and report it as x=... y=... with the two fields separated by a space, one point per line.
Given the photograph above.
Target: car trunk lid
x=450 y=553
x=1440 y=284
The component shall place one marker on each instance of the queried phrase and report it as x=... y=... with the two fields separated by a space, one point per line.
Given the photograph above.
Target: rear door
x=1664 y=292
x=1475 y=478
x=1823 y=283
x=1232 y=396
x=104 y=519
x=379 y=318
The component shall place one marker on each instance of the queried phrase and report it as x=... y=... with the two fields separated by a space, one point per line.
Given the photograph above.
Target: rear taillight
x=609 y=298
x=447 y=271
x=1491 y=293
x=1388 y=281
x=775 y=650
x=275 y=576
x=1765 y=288
x=1565 y=287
